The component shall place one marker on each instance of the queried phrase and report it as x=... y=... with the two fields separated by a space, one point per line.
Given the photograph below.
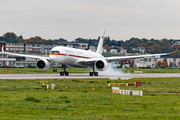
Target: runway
x=84 y=76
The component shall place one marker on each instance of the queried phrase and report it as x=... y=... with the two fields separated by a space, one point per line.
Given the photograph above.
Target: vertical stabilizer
x=100 y=45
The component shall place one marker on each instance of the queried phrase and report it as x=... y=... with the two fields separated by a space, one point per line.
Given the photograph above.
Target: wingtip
x=2 y=48
x=176 y=49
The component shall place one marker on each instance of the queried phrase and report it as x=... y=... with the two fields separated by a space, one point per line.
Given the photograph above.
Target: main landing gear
x=93 y=73
x=62 y=73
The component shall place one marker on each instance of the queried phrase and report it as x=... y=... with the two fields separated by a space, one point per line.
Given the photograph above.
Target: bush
x=67 y=101
x=63 y=97
x=76 y=81
x=153 y=94
x=108 y=81
x=32 y=99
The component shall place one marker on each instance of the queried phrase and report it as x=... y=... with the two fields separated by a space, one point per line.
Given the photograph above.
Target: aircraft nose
x=52 y=58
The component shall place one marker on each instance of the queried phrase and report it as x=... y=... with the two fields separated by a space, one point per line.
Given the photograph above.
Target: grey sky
x=70 y=19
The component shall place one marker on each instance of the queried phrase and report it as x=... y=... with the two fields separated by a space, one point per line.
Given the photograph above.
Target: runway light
x=93 y=89
x=41 y=82
x=66 y=88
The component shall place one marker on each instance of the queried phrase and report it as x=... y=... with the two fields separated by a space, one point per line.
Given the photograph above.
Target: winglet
x=100 y=45
x=174 y=51
x=2 y=48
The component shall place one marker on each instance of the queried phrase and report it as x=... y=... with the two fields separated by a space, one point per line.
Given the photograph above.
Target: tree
x=142 y=44
x=119 y=43
x=81 y=40
x=164 y=63
x=155 y=49
x=10 y=35
x=130 y=50
x=176 y=54
x=159 y=63
x=107 y=47
x=2 y=39
x=165 y=45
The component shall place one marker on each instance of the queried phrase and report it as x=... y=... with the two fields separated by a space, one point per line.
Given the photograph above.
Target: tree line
x=11 y=37
x=151 y=45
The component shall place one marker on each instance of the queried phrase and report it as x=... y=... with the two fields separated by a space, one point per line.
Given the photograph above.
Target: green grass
x=109 y=55
x=84 y=70
x=152 y=70
x=26 y=99
x=37 y=71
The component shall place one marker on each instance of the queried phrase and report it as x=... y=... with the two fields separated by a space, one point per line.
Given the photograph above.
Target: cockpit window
x=55 y=52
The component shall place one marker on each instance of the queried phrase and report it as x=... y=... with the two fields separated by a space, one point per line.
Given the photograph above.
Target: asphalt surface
x=84 y=76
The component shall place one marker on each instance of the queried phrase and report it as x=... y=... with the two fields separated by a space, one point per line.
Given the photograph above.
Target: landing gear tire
x=95 y=73
x=61 y=73
x=66 y=73
x=54 y=70
x=91 y=74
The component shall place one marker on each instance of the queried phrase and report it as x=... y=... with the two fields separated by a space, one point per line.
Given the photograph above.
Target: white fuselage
x=71 y=56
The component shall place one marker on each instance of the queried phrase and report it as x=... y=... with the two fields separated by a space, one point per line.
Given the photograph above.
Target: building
x=126 y=63
x=20 y=47
x=119 y=50
x=140 y=49
x=92 y=48
x=4 y=60
x=48 y=47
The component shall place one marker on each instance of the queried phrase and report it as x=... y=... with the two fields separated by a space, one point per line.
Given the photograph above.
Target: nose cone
x=52 y=58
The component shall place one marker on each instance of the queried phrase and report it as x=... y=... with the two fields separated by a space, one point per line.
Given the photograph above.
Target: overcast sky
x=70 y=19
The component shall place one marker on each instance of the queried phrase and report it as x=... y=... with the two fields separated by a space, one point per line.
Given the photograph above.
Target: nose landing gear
x=64 y=72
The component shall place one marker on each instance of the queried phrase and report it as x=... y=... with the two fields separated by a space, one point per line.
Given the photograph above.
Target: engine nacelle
x=101 y=65
x=42 y=64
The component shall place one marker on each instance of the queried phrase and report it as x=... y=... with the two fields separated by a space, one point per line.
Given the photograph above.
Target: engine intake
x=42 y=64
x=101 y=65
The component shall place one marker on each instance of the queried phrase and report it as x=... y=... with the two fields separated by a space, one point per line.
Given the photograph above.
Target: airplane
x=77 y=58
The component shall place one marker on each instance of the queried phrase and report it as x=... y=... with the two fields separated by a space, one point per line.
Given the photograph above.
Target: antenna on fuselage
x=100 y=45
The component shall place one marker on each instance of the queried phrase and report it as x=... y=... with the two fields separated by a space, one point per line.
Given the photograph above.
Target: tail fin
x=100 y=45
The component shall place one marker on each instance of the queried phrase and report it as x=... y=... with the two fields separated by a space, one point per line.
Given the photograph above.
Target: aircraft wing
x=116 y=58
x=84 y=61
x=111 y=59
x=22 y=55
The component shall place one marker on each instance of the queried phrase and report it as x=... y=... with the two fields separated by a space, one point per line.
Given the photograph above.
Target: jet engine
x=101 y=65
x=42 y=64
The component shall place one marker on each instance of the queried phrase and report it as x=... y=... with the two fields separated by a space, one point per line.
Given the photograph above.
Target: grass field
x=153 y=70
x=37 y=71
x=84 y=70
x=26 y=99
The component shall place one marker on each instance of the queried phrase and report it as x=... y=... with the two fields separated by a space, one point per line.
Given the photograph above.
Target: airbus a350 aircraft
x=77 y=58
